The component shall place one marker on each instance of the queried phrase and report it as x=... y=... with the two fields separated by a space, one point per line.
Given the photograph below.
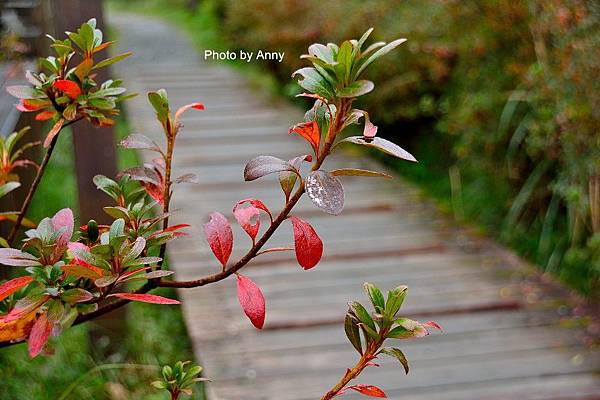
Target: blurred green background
x=499 y=100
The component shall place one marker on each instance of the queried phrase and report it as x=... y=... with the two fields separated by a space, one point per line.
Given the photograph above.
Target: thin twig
x=34 y=185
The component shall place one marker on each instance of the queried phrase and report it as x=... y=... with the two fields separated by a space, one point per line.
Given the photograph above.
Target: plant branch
x=34 y=185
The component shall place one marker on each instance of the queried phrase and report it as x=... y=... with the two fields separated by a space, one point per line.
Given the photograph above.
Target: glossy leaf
x=63 y=221
x=375 y=296
x=325 y=191
x=358 y=172
x=219 y=236
x=8 y=288
x=265 y=165
x=369 y=390
x=76 y=295
x=145 y=298
x=382 y=144
x=310 y=132
x=311 y=80
x=308 y=245
x=24 y=306
x=362 y=314
x=252 y=300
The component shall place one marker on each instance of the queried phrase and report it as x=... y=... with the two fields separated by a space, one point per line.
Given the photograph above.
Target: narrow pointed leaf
x=17 y=258
x=40 y=332
x=54 y=131
x=369 y=390
x=145 y=298
x=399 y=355
x=8 y=288
x=352 y=332
x=358 y=172
x=384 y=145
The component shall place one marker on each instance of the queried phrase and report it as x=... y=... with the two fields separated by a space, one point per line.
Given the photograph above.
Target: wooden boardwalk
x=498 y=343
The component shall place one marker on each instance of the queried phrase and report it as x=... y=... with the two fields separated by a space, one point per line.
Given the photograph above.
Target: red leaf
x=146 y=298
x=252 y=300
x=40 y=332
x=53 y=132
x=181 y=110
x=432 y=324
x=245 y=216
x=27 y=106
x=219 y=236
x=69 y=88
x=310 y=132
x=309 y=247
x=24 y=306
x=44 y=115
x=258 y=204
x=369 y=390
x=8 y=288
x=175 y=229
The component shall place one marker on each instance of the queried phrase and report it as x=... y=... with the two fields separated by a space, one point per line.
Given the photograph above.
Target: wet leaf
x=308 y=245
x=358 y=172
x=145 y=298
x=325 y=191
x=252 y=300
x=382 y=144
x=40 y=332
x=265 y=165
x=219 y=236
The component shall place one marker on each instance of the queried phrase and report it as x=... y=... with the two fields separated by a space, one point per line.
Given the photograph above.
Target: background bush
x=503 y=94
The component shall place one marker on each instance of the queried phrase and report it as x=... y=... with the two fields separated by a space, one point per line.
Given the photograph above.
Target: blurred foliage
x=505 y=93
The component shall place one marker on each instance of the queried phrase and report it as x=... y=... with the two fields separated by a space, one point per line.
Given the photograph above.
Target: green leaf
x=314 y=82
x=352 y=332
x=160 y=103
x=394 y=301
x=111 y=60
x=356 y=89
x=322 y=52
x=398 y=354
x=8 y=187
x=116 y=229
x=381 y=52
x=375 y=295
x=362 y=314
x=344 y=59
x=358 y=172
x=400 y=332
x=25 y=92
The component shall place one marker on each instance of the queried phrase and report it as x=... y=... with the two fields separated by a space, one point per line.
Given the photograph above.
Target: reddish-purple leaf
x=219 y=236
x=40 y=332
x=309 y=247
x=8 y=288
x=24 y=306
x=17 y=258
x=432 y=324
x=63 y=220
x=69 y=88
x=265 y=165
x=310 y=132
x=76 y=295
x=258 y=204
x=245 y=217
x=139 y=142
x=145 y=298
x=369 y=390
x=252 y=300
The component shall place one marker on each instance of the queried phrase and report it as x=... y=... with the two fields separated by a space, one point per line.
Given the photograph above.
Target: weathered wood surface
x=496 y=345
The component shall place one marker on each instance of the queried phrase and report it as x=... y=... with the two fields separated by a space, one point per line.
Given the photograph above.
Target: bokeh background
x=498 y=99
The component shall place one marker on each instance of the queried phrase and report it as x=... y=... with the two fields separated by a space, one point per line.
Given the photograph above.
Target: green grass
x=155 y=335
